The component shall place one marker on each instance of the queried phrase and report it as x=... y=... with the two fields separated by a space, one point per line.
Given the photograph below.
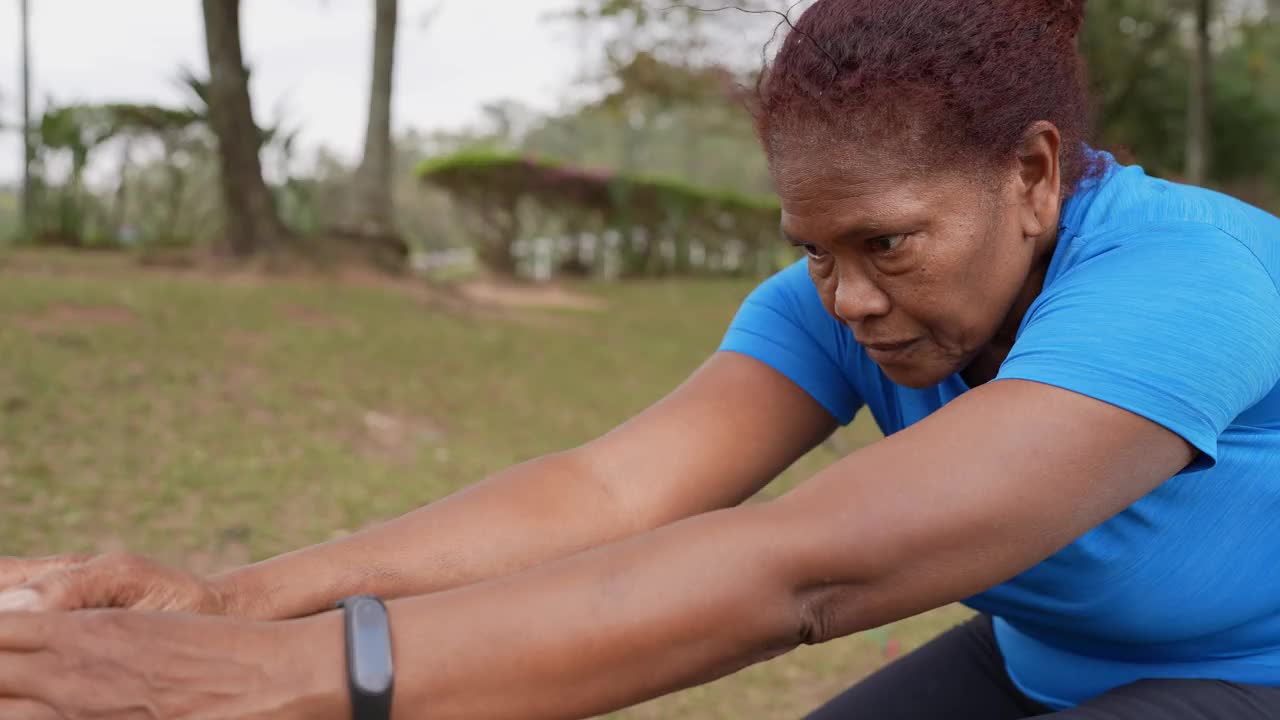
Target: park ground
x=209 y=420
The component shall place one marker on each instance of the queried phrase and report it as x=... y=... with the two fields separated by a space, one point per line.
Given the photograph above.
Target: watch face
x=370 y=647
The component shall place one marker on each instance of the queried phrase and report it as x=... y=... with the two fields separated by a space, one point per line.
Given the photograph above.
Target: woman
x=1076 y=366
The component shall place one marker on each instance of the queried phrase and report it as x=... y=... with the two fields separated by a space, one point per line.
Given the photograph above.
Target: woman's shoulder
x=1124 y=207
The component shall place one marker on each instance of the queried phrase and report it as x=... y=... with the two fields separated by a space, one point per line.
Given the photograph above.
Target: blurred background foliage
x=669 y=104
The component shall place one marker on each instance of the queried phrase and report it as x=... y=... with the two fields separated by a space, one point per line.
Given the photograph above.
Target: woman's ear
x=1039 y=183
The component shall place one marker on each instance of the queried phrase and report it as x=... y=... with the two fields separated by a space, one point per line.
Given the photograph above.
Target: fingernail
x=19 y=600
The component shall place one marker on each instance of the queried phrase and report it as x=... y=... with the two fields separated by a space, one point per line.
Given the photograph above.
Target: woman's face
x=925 y=270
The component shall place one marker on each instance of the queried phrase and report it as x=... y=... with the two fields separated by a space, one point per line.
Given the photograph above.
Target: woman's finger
x=73 y=588
x=22 y=678
x=22 y=632
x=16 y=570
x=115 y=580
x=22 y=709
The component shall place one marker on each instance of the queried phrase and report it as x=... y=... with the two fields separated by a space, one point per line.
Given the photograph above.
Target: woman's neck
x=986 y=364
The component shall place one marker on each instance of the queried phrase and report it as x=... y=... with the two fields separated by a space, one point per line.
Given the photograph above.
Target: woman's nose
x=858 y=297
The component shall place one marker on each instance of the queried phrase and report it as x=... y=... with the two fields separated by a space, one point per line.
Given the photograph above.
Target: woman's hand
x=117 y=580
x=127 y=665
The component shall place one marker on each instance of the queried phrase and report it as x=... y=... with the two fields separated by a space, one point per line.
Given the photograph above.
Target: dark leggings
x=961 y=676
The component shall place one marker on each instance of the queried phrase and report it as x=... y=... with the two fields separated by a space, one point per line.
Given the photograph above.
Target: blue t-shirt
x=1161 y=299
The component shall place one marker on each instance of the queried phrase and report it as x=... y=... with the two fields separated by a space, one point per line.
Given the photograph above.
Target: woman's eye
x=814 y=251
x=885 y=244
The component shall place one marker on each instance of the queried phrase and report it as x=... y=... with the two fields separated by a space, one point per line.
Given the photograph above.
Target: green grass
x=211 y=421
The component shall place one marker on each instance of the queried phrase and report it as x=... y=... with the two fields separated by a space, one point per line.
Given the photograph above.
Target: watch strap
x=370 y=674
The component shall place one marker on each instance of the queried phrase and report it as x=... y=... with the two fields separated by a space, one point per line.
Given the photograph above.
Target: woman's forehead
x=852 y=170
x=823 y=205
x=850 y=210
x=861 y=193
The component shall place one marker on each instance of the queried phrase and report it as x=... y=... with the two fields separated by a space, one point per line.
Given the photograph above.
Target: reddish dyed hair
x=951 y=80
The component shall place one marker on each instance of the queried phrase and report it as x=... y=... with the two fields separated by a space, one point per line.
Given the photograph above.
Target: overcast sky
x=310 y=60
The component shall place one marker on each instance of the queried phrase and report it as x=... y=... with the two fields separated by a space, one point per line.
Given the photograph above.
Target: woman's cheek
x=822 y=272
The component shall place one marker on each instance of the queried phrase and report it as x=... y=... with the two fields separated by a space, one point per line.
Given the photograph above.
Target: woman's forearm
x=538 y=511
x=598 y=631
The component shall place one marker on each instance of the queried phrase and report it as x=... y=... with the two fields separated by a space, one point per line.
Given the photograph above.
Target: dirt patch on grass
x=74 y=316
x=240 y=391
x=457 y=304
x=483 y=298
x=397 y=438
x=510 y=295
x=486 y=296
x=240 y=379
x=236 y=387
x=246 y=340
x=309 y=316
x=65 y=263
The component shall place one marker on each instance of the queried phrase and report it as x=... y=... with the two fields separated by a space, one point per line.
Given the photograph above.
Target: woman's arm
x=995 y=482
x=715 y=441
x=983 y=489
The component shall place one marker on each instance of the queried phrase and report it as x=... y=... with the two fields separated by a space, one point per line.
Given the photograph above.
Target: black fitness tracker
x=369 y=671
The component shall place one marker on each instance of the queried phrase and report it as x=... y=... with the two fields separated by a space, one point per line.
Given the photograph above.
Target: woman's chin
x=916 y=376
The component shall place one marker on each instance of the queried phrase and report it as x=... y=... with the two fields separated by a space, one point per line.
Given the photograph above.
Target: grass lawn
x=210 y=421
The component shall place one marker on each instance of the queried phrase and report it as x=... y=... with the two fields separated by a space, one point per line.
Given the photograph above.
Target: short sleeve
x=784 y=325
x=1179 y=323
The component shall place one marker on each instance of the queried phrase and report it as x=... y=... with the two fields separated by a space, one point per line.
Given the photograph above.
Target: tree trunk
x=177 y=185
x=503 y=220
x=27 y=221
x=252 y=224
x=1198 y=122
x=370 y=214
x=118 y=213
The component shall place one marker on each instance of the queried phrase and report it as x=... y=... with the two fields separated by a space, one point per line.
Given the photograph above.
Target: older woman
x=1075 y=364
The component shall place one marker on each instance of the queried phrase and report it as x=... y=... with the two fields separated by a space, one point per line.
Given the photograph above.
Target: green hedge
x=495 y=186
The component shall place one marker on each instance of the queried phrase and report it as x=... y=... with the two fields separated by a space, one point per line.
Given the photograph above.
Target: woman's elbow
x=834 y=585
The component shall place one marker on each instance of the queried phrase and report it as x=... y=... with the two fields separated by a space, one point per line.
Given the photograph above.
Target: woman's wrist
x=313 y=664
x=295 y=585
x=241 y=595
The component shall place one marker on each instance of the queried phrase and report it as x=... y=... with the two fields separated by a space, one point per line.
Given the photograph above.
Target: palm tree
x=28 y=145
x=370 y=215
x=252 y=223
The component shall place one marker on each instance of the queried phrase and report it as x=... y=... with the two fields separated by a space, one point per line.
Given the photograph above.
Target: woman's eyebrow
x=856 y=231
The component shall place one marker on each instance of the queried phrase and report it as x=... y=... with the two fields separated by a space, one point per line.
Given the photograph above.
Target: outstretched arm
x=984 y=489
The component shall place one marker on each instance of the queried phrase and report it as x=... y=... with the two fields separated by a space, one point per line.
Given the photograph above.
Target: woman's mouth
x=884 y=352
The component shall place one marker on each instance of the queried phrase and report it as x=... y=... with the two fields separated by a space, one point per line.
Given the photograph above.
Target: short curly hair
x=953 y=80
